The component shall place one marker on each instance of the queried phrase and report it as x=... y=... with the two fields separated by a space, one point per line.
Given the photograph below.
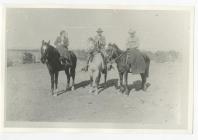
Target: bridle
x=113 y=60
x=44 y=55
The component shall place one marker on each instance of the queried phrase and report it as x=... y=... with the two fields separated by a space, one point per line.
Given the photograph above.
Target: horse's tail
x=147 y=61
x=103 y=62
x=73 y=59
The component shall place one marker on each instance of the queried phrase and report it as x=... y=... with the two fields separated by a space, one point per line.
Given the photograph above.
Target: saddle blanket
x=135 y=60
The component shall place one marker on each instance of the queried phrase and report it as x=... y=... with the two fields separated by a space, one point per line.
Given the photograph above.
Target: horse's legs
x=143 y=76
x=52 y=82
x=68 y=78
x=73 y=73
x=97 y=81
x=91 y=83
x=56 y=81
x=121 y=81
x=126 y=83
x=105 y=76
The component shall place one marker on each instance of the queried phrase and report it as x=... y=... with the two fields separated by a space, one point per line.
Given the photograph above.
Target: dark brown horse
x=124 y=65
x=51 y=57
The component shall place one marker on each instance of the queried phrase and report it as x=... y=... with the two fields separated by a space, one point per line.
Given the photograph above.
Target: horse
x=51 y=57
x=123 y=65
x=96 y=67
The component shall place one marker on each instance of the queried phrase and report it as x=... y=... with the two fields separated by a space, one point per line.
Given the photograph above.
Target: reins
x=113 y=60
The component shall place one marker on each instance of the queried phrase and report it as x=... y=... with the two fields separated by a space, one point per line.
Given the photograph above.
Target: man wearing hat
x=99 y=46
x=132 y=41
x=134 y=56
x=100 y=39
x=62 y=43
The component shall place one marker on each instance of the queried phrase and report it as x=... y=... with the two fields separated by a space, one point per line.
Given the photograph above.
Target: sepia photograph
x=98 y=68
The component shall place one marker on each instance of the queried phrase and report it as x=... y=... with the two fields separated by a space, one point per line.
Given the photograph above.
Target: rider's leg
x=67 y=57
x=89 y=59
x=104 y=61
x=87 y=63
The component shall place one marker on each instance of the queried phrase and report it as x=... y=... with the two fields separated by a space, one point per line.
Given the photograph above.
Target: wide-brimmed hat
x=99 y=30
x=62 y=31
x=131 y=31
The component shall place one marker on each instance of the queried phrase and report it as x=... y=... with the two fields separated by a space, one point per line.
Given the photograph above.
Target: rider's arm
x=66 y=41
x=57 y=41
x=103 y=41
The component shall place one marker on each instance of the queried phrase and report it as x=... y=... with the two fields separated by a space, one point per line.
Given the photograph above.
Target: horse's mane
x=51 y=47
x=53 y=51
x=115 y=46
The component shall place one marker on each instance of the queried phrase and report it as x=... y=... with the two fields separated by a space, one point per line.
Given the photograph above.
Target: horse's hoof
x=127 y=92
x=52 y=92
x=118 y=92
x=96 y=92
x=91 y=91
x=117 y=86
x=56 y=90
x=144 y=88
x=73 y=88
x=67 y=89
x=55 y=95
x=122 y=89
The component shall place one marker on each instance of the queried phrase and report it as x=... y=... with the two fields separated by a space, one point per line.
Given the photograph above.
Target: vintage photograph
x=103 y=68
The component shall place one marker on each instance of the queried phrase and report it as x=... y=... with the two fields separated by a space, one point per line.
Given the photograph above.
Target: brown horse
x=124 y=65
x=51 y=57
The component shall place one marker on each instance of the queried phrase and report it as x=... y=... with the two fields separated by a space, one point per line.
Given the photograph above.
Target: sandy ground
x=28 y=97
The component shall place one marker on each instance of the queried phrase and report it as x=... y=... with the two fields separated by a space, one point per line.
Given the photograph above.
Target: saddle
x=104 y=59
x=66 y=59
x=94 y=53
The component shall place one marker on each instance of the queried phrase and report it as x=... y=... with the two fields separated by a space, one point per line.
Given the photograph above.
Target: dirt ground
x=28 y=98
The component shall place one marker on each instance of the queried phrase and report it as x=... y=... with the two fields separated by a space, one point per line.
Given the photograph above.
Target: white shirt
x=132 y=42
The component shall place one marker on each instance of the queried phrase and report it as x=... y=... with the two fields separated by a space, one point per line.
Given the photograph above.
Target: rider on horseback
x=133 y=54
x=99 y=46
x=132 y=41
x=62 y=43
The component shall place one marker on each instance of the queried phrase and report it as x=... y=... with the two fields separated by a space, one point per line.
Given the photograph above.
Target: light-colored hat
x=62 y=31
x=99 y=30
x=131 y=31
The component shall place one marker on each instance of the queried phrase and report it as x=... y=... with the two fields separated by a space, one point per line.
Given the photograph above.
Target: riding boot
x=87 y=64
x=61 y=60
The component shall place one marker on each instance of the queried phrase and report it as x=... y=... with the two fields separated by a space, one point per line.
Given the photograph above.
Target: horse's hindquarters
x=136 y=62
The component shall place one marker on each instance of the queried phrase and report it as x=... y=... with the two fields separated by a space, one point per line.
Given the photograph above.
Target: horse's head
x=44 y=51
x=112 y=51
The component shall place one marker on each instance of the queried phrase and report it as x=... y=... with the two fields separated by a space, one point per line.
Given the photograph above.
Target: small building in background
x=21 y=56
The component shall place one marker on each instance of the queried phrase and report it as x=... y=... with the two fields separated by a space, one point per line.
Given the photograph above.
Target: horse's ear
x=48 y=42
x=42 y=41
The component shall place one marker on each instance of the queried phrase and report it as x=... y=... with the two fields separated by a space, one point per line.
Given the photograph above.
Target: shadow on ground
x=110 y=83
x=113 y=82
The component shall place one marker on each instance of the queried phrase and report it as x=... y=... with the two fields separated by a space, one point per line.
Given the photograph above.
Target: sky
x=156 y=29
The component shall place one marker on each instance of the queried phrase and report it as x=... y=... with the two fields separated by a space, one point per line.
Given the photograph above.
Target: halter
x=44 y=55
x=113 y=60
